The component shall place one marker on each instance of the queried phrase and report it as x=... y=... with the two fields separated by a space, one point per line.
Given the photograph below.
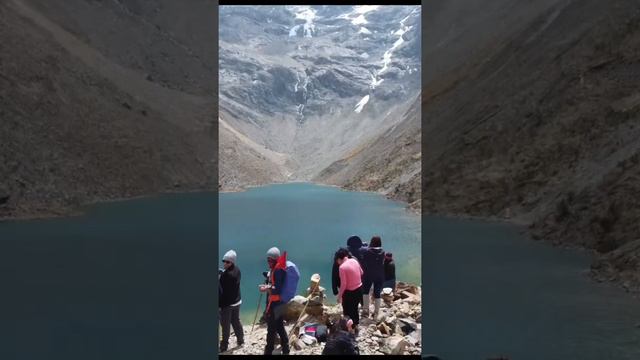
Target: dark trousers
x=275 y=325
x=391 y=283
x=350 y=301
x=377 y=287
x=230 y=315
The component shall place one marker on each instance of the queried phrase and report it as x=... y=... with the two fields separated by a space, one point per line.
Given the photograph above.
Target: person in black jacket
x=230 y=300
x=373 y=266
x=389 y=272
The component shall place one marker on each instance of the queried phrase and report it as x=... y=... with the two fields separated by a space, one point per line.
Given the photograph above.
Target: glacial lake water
x=132 y=279
x=489 y=291
x=311 y=222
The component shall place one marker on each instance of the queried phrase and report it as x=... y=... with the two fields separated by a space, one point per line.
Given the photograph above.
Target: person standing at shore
x=373 y=265
x=230 y=300
x=275 y=305
x=350 y=290
x=355 y=246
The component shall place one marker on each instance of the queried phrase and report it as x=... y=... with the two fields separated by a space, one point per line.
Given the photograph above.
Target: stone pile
x=396 y=331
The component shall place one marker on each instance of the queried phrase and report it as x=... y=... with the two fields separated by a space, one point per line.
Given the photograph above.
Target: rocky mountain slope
x=314 y=84
x=540 y=123
x=389 y=164
x=89 y=113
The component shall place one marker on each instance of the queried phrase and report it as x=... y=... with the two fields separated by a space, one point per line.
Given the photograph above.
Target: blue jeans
x=377 y=287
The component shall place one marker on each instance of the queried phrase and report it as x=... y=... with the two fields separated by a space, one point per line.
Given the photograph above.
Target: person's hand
x=263 y=287
x=339 y=300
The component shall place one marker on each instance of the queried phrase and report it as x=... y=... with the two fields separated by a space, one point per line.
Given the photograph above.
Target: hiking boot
x=224 y=347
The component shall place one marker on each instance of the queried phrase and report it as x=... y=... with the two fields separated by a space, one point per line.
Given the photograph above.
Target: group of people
x=357 y=269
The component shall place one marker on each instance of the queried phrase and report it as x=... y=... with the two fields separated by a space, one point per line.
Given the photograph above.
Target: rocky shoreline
x=396 y=331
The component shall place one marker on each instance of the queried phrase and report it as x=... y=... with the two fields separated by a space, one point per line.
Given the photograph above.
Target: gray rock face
x=89 y=113
x=540 y=122
x=314 y=83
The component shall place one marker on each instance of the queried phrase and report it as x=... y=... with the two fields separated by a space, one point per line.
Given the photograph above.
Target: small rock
x=391 y=320
x=384 y=329
x=414 y=338
x=408 y=325
x=394 y=345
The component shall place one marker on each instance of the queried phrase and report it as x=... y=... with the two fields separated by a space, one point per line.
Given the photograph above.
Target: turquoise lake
x=131 y=279
x=311 y=222
x=490 y=291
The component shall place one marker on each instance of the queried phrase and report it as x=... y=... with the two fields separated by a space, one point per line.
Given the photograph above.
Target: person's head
x=354 y=241
x=388 y=256
x=341 y=255
x=272 y=256
x=229 y=259
x=376 y=241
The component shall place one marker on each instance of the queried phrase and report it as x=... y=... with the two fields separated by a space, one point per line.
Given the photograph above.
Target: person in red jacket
x=275 y=307
x=350 y=291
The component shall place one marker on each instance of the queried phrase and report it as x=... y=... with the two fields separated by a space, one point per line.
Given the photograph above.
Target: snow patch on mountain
x=307 y=14
x=386 y=57
x=361 y=104
x=357 y=15
x=375 y=81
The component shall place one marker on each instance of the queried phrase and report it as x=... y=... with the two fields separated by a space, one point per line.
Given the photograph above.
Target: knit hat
x=230 y=256
x=273 y=253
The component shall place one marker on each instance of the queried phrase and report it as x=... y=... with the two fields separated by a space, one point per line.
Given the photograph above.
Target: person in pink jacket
x=350 y=291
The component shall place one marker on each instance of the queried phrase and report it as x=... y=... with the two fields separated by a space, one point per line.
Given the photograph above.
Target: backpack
x=290 y=286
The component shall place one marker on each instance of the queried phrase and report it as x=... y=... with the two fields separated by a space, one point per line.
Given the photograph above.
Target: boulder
x=295 y=308
x=314 y=310
x=394 y=345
